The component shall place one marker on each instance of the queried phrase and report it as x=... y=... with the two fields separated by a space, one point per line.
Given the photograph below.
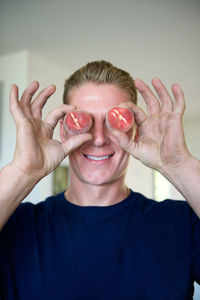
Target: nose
x=99 y=133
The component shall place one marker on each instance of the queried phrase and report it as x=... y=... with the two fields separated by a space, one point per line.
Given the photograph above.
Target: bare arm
x=160 y=142
x=36 y=153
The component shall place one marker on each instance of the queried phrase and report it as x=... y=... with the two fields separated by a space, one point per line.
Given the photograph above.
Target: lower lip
x=98 y=161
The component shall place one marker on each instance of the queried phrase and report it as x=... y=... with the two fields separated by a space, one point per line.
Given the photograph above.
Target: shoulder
x=148 y=205
x=167 y=222
x=28 y=213
x=40 y=208
x=166 y=211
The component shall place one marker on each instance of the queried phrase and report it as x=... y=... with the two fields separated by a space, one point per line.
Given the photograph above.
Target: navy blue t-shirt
x=135 y=249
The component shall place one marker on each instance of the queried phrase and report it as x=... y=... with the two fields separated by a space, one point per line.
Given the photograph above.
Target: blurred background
x=48 y=40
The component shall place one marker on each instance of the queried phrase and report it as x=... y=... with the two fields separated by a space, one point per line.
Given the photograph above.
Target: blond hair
x=101 y=72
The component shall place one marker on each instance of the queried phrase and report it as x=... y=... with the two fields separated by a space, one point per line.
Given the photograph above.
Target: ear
x=63 y=133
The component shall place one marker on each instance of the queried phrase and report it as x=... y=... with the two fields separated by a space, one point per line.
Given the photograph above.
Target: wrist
x=188 y=162
x=15 y=186
x=24 y=174
x=183 y=176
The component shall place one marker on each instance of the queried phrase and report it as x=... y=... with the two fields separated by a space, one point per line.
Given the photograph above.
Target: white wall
x=13 y=69
x=47 y=72
x=192 y=132
x=140 y=178
x=21 y=68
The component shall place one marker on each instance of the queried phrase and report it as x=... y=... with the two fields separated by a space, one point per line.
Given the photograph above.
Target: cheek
x=73 y=161
x=123 y=162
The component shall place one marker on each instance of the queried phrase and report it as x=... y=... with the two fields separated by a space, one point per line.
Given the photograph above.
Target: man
x=98 y=239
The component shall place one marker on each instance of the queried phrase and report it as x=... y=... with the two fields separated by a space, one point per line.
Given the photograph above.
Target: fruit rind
x=121 y=121
x=77 y=120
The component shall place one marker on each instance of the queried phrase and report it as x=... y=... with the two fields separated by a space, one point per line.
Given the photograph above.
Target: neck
x=84 y=194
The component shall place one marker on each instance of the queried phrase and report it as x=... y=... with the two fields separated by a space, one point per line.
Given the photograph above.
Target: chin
x=99 y=174
x=95 y=181
x=102 y=179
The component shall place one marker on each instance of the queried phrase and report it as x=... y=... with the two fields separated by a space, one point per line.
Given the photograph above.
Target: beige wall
x=13 y=69
x=21 y=68
x=140 y=178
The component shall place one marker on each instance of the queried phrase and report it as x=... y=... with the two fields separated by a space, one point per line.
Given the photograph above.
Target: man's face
x=99 y=160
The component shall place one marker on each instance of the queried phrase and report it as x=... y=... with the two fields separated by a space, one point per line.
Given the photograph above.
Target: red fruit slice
x=120 y=118
x=76 y=122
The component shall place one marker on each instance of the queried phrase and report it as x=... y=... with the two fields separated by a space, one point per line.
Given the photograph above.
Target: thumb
x=124 y=142
x=74 y=142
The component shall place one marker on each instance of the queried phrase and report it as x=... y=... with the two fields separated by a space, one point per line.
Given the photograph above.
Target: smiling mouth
x=98 y=158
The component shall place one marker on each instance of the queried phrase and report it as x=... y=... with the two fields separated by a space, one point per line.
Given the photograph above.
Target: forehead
x=91 y=96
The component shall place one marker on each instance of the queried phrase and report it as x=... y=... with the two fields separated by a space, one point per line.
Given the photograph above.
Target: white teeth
x=97 y=158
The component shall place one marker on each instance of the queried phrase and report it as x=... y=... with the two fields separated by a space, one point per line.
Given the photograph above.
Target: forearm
x=186 y=180
x=14 y=186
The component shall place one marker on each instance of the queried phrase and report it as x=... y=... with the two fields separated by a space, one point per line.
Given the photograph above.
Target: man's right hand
x=37 y=153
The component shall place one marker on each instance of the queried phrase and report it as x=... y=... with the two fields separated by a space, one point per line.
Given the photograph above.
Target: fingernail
x=71 y=106
x=51 y=88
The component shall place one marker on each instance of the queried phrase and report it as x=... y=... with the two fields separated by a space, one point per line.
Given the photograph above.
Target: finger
x=124 y=141
x=40 y=101
x=179 y=106
x=139 y=114
x=74 y=142
x=14 y=106
x=27 y=97
x=165 y=99
x=153 y=105
x=58 y=113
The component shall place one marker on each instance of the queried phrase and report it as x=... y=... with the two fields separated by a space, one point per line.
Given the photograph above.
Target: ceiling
x=147 y=38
